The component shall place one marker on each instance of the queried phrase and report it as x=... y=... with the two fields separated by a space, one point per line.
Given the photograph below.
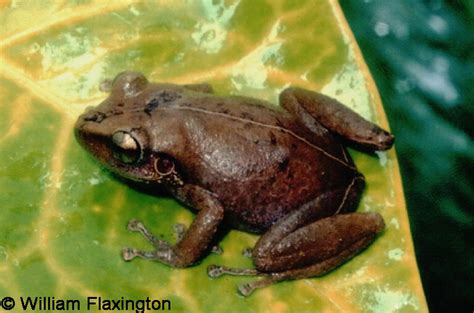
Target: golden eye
x=126 y=147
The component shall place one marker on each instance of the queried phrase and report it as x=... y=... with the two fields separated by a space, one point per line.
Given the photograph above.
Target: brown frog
x=237 y=161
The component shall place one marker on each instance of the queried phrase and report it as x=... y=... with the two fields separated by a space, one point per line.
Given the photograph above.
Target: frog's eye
x=126 y=147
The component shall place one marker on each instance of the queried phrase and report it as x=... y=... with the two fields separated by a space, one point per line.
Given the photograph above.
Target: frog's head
x=116 y=131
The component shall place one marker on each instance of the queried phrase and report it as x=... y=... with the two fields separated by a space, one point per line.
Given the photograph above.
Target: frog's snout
x=89 y=134
x=85 y=121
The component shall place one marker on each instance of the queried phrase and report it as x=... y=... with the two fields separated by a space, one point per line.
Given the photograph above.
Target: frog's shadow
x=155 y=190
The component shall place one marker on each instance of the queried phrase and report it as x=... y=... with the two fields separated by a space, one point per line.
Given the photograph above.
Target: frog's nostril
x=94 y=117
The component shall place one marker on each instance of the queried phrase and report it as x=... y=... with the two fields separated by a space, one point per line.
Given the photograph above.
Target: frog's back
x=259 y=161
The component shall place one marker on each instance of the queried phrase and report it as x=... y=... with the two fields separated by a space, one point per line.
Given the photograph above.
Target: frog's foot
x=137 y=226
x=129 y=254
x=215 y=271
x=165 y=255
x=216 y=249
x=179 y=231
x=193 y=242
x=161 y=246
x=246 y=289
x=164 y=251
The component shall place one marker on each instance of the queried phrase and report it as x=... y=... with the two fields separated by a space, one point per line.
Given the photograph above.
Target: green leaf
x=63 y=217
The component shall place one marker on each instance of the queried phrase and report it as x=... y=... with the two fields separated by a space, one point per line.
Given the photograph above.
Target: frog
x=282 y=172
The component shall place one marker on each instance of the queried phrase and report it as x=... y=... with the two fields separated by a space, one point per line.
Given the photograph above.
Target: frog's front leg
x=195 y=241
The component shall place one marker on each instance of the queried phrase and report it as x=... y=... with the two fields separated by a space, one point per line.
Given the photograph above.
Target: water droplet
x=395 y=254
x=438 y=24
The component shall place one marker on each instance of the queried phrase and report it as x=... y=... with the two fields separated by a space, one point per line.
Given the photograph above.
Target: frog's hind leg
x=310 y=251
x=307 y=243
x=309 y=106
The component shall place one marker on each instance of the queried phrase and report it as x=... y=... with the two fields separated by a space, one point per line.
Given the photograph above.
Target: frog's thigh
x=340 y=200
x=286 y=245
x=317 y=248
x=309 y=106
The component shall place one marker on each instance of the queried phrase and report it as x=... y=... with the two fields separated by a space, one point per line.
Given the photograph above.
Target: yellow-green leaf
x=63 y=217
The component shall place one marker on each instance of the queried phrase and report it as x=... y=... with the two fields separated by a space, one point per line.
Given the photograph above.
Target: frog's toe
x=179 y=230
x=217 y=250
x=245 y=289
x=135 y=225
x=218 y=270
x=129 y=253
x=215 y=271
